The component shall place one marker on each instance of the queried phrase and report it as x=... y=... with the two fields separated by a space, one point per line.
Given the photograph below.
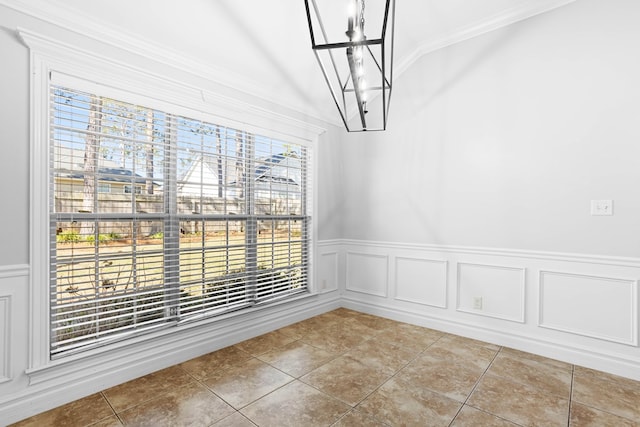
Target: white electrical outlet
x=477 y=303
x=601 y=207
x=324 y=283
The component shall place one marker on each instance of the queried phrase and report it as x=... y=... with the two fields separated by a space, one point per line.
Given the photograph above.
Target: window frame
x=132 y=84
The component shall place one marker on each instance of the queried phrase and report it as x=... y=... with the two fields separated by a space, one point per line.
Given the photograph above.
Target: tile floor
x=345 y=368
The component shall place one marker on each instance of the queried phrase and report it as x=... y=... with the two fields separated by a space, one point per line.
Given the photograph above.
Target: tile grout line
x=396 y=373
x=573 y=374
x=474 y=389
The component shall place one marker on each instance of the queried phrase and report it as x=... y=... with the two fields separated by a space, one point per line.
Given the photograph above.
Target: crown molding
x=502 y=19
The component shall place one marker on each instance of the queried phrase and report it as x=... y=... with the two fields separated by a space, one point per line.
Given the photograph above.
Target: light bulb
x=351 y=9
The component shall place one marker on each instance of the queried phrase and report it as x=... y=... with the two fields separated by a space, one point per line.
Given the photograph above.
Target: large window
x=200 y=219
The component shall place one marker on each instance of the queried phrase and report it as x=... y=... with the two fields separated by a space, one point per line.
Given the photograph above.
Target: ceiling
x=263 y=46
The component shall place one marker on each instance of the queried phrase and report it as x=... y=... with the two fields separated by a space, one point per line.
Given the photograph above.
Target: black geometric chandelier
x=356 y=59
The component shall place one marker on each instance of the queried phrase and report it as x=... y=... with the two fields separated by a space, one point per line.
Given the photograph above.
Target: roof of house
x=115 y=175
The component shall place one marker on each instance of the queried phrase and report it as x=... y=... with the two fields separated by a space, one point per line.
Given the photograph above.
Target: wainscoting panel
x=578 y=308
x=601 y=307
x=421 y=281
x=367 y=273
x=490 y=290
x=327 y=274
x=5 y=341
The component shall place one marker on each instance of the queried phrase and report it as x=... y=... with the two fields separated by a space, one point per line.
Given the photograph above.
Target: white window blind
x=200 y=219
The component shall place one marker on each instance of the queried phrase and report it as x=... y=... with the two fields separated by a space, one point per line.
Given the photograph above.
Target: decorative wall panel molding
x=5 y=338
x=327 y=274
x=601 y=307
x=490 y=290
x=421 y=281
x=367 y=273
x=10 y=271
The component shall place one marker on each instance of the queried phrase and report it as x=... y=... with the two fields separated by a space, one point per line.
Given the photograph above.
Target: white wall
x=502 y=141
x=481 y=188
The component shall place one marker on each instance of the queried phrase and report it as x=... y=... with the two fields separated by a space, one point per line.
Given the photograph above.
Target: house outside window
x=104 y=188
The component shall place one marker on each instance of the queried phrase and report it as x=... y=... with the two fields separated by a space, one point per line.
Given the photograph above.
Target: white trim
x=502 y=19
x=51 y=58
x=633 y=300
x=335 y=279
x=5 y=338
x=126 y=81
x=351 y=288
x=17 y=270
x=512 y=253
x=434 y=261
x=523 y=286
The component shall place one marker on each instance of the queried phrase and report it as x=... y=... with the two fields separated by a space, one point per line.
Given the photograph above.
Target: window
x=218 y=220
x=128 y=189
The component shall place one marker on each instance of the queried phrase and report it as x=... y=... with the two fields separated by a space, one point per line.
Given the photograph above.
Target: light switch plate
x=601 y=207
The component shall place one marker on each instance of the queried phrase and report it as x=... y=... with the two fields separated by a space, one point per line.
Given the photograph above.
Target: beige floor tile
x=614 y=394
x=295 y=404
x=330 y=317
x=464 y=351
x=355 y=325
x=334 y=339
x=234 y=420
x=397 y=403
x=413 y=338
x=133 y=393
x=246 y=382
x=356 y=369
x=266 y=342
x=563 y=366
x=297 y=358
x=381 y=354
x=519 y=403
x=190 y=405
x=81 y=412
x=583 y=416
x=203 y=366
x=536 y=372
x=357 y=418
x=376 y=323
x=296 y=330
x=316 y=323
x=346 y=379
x=442 y=375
